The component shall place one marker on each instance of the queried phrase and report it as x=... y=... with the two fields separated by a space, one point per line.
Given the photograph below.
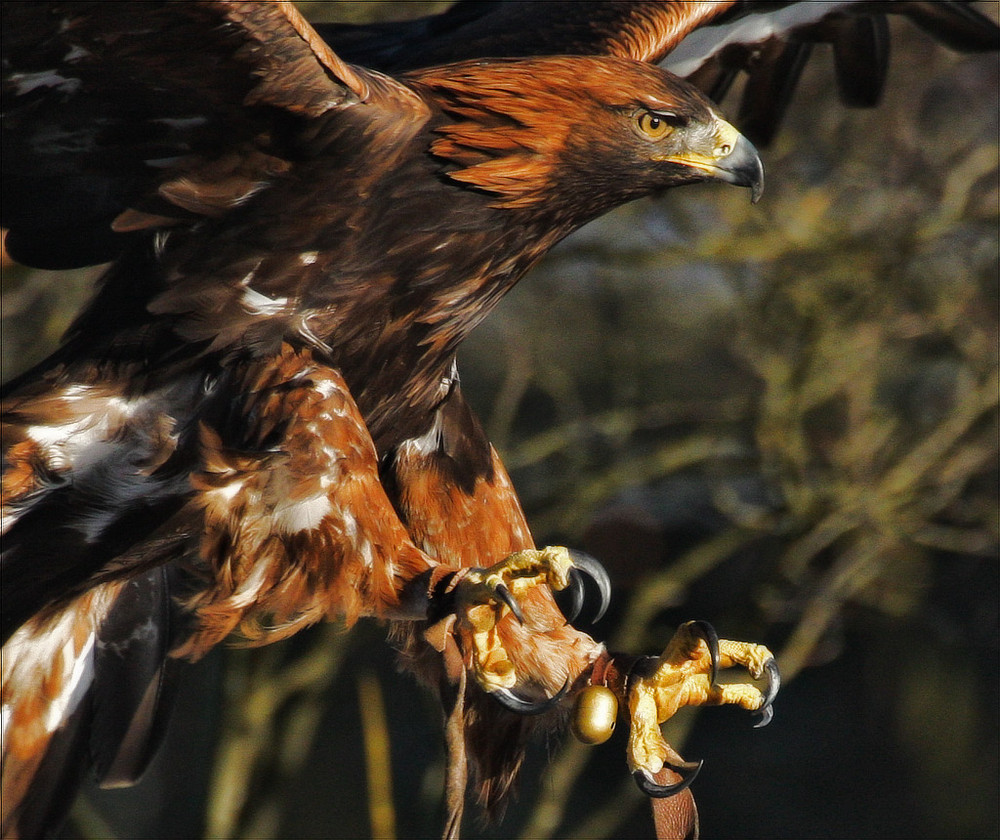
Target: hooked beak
x=733 y=159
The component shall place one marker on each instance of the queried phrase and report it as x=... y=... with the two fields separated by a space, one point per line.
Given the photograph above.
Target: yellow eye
x=653 y=126
x=594 y=714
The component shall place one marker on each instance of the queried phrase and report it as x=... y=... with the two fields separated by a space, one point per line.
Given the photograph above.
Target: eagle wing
x=123 y=122
x=264 y=516
x=709 y=43
x=126 y=118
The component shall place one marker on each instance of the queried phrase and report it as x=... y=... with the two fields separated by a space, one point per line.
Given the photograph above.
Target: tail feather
x=134 y=679
x=89 y=684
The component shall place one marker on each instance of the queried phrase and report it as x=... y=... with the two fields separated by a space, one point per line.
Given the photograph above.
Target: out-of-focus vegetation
x=781 y=419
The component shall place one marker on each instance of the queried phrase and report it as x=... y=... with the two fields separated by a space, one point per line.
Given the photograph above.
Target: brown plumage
x=258 y=423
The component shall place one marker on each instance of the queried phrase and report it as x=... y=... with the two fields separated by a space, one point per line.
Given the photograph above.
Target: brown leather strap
x=676 y=817
x=457 y=766
x=452 y=685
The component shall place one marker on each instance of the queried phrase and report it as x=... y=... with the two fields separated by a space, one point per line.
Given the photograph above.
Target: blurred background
x=781 y=419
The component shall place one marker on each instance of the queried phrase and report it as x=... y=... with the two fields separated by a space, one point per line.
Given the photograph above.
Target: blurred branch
x=632 y=471
x=375 y=729
x=273 y=710
x=667 y=587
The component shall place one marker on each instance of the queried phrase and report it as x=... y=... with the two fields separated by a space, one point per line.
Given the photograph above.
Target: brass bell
x=594 y=714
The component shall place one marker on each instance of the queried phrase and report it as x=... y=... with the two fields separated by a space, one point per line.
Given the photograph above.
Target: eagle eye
x=656 y=126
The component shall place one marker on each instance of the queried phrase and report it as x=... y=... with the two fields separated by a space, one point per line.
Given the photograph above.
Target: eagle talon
x=765 y=713
x=585 y=564
x=480 y=599
x=705 y=631
x=512 y=703
x=685 y=675
x=687 y=771
x=575 y=594
x=502 y=593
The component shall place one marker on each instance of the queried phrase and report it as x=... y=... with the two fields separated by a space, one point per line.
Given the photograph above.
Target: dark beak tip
x=756 y=178
x=747 y=169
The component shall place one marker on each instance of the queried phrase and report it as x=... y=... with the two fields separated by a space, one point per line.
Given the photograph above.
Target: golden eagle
x=258 y=422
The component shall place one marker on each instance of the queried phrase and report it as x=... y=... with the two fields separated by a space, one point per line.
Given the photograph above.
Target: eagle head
x=580 y=134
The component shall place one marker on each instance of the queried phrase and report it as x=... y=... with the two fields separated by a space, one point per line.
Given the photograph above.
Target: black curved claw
x=588 y=565
x=765 y=714
x=512 y=703
x=688 y=770
x=707 y=632
x=575 y=594
x=773 y=684
x=503 y=594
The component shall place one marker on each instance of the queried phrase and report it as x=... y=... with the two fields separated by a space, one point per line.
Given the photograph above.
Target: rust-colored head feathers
x=599 y=132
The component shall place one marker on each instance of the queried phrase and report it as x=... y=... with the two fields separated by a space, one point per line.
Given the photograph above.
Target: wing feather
x=860 y=58
x=710 y=43
x=88 y=685
x=645 y=31
x=127 y=117
x=134 y=678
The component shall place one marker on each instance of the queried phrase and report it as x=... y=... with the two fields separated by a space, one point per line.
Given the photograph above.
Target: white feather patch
x=227 y=492
x=304 y=515
x=249 y=590
x=259 y=304
x=28 y=655
x=86 y=440
x=27 y=82
x=427 y=443
x=80 y=668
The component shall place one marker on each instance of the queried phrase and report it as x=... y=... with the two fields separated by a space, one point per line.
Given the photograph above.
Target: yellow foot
x=484 y=596
x=685 y=675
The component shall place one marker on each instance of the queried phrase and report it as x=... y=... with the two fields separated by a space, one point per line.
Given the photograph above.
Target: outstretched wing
x=710 y=43
x=283 y=520
x=124 y=117
x=132 y=120
x=772 y=49
x=122 y=122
